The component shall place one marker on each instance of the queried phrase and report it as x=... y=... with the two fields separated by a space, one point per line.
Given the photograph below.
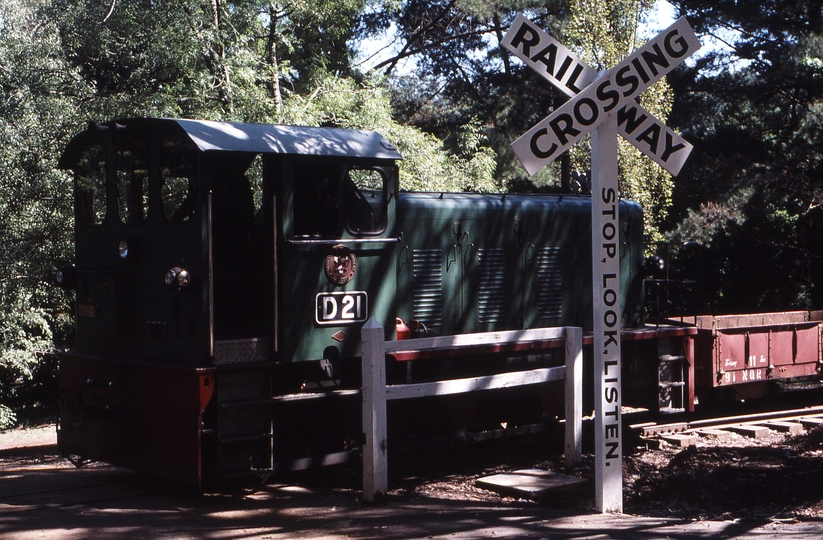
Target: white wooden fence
x=375 y=393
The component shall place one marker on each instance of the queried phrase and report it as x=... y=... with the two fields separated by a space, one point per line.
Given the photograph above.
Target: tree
x=38 y=91
x=605 y=33
x=753 y=110
x=464 y=77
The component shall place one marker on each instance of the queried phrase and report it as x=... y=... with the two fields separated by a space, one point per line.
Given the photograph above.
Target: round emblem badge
x=340 y=265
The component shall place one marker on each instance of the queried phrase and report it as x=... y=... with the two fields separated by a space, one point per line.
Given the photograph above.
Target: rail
x=375 y=392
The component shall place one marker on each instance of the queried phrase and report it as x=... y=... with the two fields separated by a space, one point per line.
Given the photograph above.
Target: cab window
x=317 y=208
x=178 y=170
x=133 y=183
x=255 y=176
x=90 y=184
x=365 y=194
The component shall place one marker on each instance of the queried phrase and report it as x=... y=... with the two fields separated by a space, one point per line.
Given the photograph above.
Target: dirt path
x=43 y=435
x=43 y=496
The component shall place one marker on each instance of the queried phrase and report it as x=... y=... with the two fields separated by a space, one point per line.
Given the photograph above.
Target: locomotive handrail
x=375 y=392
x=335 y=241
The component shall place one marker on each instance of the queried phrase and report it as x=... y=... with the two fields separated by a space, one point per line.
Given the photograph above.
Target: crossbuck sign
x=603 y=104
x=597 y=96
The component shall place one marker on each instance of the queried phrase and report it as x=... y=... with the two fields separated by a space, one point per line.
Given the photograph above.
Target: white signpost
x=603 y=104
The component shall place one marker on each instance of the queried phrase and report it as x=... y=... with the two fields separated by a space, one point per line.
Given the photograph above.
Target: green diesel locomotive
x=223 y=272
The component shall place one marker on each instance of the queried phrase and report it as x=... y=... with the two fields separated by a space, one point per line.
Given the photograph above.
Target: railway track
x=755 y=425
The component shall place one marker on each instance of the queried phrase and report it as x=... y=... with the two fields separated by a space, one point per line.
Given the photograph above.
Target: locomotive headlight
x=656 y=266
x=171 y=277
x=659 y=263
x=183 y=278
x=177 y=277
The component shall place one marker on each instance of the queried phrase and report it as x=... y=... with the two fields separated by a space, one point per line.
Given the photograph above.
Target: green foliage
x=748 y=256
x=459 y=80
x=7 y=417
x=25 y=337
x=427 y=165
x=753 y=111
x=604 y=34
x=710 y=220
x=38 y=93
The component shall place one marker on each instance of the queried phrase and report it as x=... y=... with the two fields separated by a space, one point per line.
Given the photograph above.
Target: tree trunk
x=274 y=81
x=217 y=58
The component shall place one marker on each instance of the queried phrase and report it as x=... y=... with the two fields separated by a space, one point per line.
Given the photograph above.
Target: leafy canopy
x=753 y=108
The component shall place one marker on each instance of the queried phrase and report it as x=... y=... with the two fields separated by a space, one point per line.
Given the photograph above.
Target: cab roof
x=210 y=136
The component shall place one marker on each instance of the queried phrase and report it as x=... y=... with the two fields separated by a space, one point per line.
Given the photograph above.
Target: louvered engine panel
x=492 y=282
x=428 y=286
x=549 y=283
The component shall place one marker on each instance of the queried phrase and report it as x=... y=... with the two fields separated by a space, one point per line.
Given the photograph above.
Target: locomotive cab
x=188 y=231
x=202 y=248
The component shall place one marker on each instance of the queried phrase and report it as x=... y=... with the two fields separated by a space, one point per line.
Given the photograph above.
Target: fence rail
x=375 y=392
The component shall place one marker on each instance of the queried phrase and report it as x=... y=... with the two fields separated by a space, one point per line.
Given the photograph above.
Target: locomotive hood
x=212 y=136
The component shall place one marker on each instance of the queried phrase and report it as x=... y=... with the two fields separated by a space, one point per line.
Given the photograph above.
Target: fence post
x=375 y=466
x=574 y=395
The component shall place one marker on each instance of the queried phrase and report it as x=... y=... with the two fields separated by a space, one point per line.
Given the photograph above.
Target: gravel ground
x=741 y=488
x=778 y=478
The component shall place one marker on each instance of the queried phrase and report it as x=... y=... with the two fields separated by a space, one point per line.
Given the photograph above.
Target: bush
x=28 y=370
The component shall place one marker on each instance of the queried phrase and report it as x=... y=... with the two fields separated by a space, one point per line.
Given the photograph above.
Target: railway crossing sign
x=603 y=104
x=596 y=96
